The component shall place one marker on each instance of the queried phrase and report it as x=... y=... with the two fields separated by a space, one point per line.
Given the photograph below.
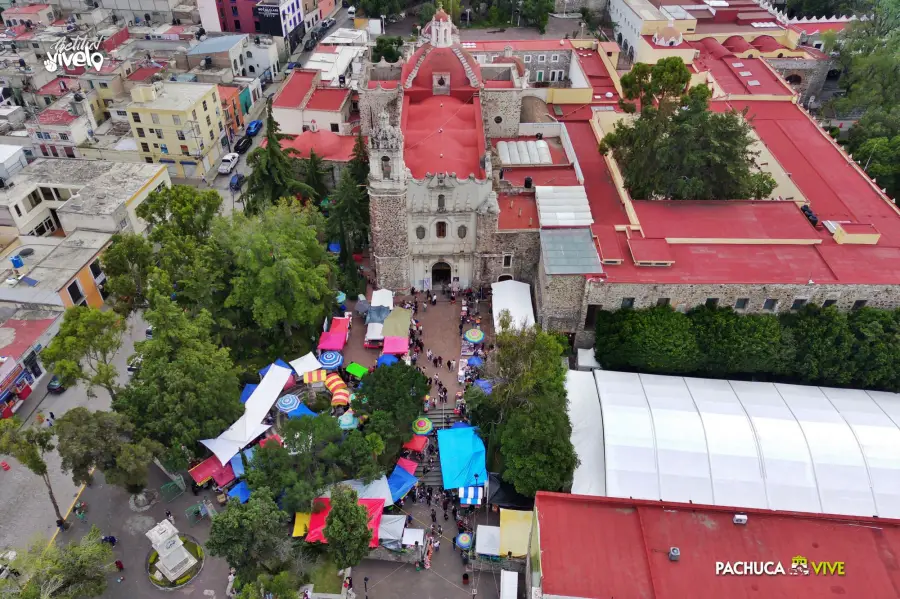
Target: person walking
x=440 y=361
x=450 y=365
x=433 y=516
x=434 y=361
x=460 y=329
x=170 y=517
x=119 y=565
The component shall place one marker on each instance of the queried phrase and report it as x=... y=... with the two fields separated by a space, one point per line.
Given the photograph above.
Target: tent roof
x=397 y=323
x=408 y=465
x=301 y=524
x=237 y=464
x=333 y=341
x=411 y=535
x=377 y=489
x=374 y=507
x=586 y=360
x=396 y=345
x=503 y=494
x=240 y=491
x=515 y=530
x=400 y=482
x=391 y=528
x=374 y=331
x=301 y=412
x=515 y=297
x=382 y=297
x=587 y=433
x=247 y=391
x=304 y=364
x=278 y=362
x=462 y=457
x=417 y=443
x=487 y=540
x=377 y=314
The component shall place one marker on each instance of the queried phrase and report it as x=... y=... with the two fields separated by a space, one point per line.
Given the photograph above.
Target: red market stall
x=332 y=341
x=374 y=507
x=212 y=468
x=417 y=443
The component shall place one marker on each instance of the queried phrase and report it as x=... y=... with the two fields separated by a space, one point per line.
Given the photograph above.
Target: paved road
x=556 y=28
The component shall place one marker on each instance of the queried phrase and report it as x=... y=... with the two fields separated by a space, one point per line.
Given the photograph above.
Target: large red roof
x=146 y=72
x=25 y=335
x=443 y=134
x=743 y=76
x=54 y=88
x=295 y=90
x=601 y=547
x=328 y=98
x=814 y=28
x=517 y=211
x=428 y=61
x=56 y=117
x=327 y=145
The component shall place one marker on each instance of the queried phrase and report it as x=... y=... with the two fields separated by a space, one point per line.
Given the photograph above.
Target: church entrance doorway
x=440 y=274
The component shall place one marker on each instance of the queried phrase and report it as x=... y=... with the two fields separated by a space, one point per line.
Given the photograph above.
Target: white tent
x=587 y=433
x=307 y=363
x=377 y=489
x=509 y=584
x=390 y=531
x=411 y=536
x=374 y=331
x=514 y=297
x=586 y=360
x=487 y=540
x=383 y=297
x=249 y=426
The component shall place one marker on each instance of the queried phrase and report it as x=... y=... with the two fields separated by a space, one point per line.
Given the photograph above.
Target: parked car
x=351 y=12
x=243 y=144
x=254 y=127
x=134 y=362
x=149 y=332
x=55 y=386
x=328 y=23
x=237 y=181
x=310 y=44
x=229 y=161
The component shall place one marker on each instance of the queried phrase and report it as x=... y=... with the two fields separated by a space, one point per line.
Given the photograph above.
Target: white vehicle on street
x=229 y=161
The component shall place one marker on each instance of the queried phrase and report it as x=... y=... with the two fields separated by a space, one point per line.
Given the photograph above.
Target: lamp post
x=565 y=7
x=469 y=17
x=366 y=585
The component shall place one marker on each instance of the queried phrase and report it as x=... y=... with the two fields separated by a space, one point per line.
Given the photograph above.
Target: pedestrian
x=445 y=503
x=449 y=365
x=409 y=519
x=203 y=178
x=428 y=497
x=421 y=330
x=61 y=525
x=425 y=306
x=434 y=361
x=460 y=329
x=119 y=565
x=440 y=530
x=455 y=512
x=52 y=416
x=445 y=516
x=430 y=355
x=170 y=517
x=433 y=516
x=440 y=361
x=437 y=544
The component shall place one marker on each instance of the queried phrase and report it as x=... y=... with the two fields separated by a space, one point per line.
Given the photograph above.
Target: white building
x=12 y=160
x=304 y=105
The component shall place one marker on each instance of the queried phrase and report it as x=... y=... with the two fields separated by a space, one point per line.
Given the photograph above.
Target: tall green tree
x=880 y=156
x=347 y=528
x=657 y=85
x=876 y=349
x=103 y=440
x=283 y=585
x=348 y=215
x=274 y=174
x=74 y=571
x=824 y=345
x=359 y=161
x=658 y=340
x=426 y=13
x=127 y=263
x=84 y=349
x=393 y=397
x=29 y=445
x=186 y=389
x=537 y=13
x=537 y=449
x=250 y=536
x=314 y=175
x=180 y=210
x=387 y=47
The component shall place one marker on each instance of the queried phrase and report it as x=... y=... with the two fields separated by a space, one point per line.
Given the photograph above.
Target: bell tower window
x=385 y=167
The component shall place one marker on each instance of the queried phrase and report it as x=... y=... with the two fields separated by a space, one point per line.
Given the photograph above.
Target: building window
x=539 y=76
x=140 y=132
x=461 y=231
x=164 y=149
x=664 y=301
x=234 y=11
x=256 y=26
x=527 y=58
x=498 y=119
x=148 y=160
x=237 y=25
x=75 y=293
x=770 y=304
x=96 y=270
x=64 y=137
x=145 y=147
x=440 y=229
x=542 y=58
x=103 y=85
x=204 y=105
x=70 y=151
x=252 y=69
x=208 y=120
x=221 y=127
x=741 y=303
x=860 y=304
x=180 y=134
x=18 y=210
x=442 y=207
x=194 y=114
x=159 y=133
x=627 y=303
x=798 y=303
x=712 y=302
x=212 y=135
x=135 y=117
x=185 y=151
x=829 y=303
x=176 y=119
x=554 y=58
x=121 y=113
x=154 y=118
x=420 y=232
x=48 y=100
x=507 y=260
x=335 y=128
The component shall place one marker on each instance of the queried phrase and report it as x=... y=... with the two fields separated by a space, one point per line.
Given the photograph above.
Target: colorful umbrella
x=341 y=297
x=475 y=361
x=341 y=397
x=474 y=335
x=348 y=421
x=422 y=426
x=287 y=403
x=331 y=360
x=464 y=541
x=333 y=382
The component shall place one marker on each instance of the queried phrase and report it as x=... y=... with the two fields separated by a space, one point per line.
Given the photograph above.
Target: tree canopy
x=677 y=148
x=29 y=445
x=127 y=263
x=387 y=47
x=347 y=528
x=181 y=211
x=250 y=536
x=314 y=175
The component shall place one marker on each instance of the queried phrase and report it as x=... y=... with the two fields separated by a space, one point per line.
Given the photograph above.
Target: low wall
x=402 y=557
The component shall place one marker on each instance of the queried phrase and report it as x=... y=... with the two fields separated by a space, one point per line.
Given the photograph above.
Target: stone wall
x=373 y=101
x=525 y=247
x=570 y=6
x=505 y=105
x=559 y=301
x=390 y=244
x=812 y=74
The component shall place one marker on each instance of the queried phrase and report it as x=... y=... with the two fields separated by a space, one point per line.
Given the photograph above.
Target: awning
x=211 y=468
x=332 y=341
x=377 y=489
x=514 y=297
x=462 y=457
x=515 y=530
x=374 y=507
x=396 y=345
x=301 y=524
x=240 y=492
x=382 y=297
x=374 y=331
x=304 y=364
x=315 y=376
x=301 y=412
x=487 y=540
x=247 y=391
x=333 y=382
x=400 y=483
x=411 y=536
x=509 y=584
x=377 y=314
x=357 y=370
x=408 y=465
x=417 y=443
x=471 y=495
x=390 y=533
x=237 y=464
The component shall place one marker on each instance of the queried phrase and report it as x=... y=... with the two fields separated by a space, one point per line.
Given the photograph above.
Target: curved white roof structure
x=741 y=444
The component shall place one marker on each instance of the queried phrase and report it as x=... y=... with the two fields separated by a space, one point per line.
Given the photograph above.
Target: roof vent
x=753 y=83
x=26 y=251
x=674 y=554
x=740 y=519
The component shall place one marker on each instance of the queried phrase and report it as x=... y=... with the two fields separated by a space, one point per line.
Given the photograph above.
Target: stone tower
x=387 y=205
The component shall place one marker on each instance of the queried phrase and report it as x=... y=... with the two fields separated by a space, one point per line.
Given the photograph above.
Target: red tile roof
x=443 y=134
x=498 y=84
x=517 y=211
x=147 y=71
x=766 y=43
x=296 y=88
x=737 y=79
x=56 y=117
x=53 y=88
x=327 y=145
x=28 y=9
x=25 y=334
x=226 y=92
x=814 y=28
x=428 y=60
x=598 y=75
x=328 y=98
x=521 y=45
x=600 y=547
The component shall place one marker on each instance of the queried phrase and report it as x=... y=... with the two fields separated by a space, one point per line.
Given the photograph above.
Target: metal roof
x=563 y=206
x=569 y=252
x=214 y=45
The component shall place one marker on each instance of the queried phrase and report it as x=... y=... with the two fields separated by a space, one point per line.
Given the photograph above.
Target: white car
x=351 y=12
x=229 y=161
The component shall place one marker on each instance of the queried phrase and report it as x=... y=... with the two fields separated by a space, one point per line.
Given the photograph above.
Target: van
x=351 y=12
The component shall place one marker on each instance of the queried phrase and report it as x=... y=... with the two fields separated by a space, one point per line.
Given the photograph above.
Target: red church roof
x=326 y=145
x=431 y=61
x=443 y=134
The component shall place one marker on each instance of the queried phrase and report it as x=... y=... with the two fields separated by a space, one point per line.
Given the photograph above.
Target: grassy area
x=325 y=577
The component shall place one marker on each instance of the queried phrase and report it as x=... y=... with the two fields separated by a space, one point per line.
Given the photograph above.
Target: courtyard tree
x=537 y=13
x=274 y=174
x=387 y=47
x=347 y=528
x=187 y=387
x=655 y=86
x=250 y=536
x=180 y=210
x=127 y=263
x=84 y=348
x=314 y=176
x=359 y=161
x=74 y=571
x=537 y=449
x=393 y=397
x=283 y=585
x=29 y=445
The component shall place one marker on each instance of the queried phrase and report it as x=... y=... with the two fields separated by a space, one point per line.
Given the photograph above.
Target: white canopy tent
x=738 y=443
x=249 y=426
x=375 y=331
x=390 y=531
x=487 y=540
x=377 y=489
x=304 y=364
x=383 y=297
x=514 y=297
x=587 y=433
x=509 y=584
x=411 y=536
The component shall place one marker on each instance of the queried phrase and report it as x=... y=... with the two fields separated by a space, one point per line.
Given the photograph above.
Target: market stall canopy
x=374 y=507
x=377 y=314
x=362 y=306
x=390 y=533
x=333 y=341
x=515 y=530
x=397 y=323
x=485 y=385
x=509 y=584
x=357 y=370
x=400 y=482
x=211 y=468
x=387 y=360
x=411 y=536
x=471 y=495
x=382 y=297
x=301 y=412
x=240 y=491
x=503 y=494
x=395 y=345
x=237 y=464
x=334 y=382
x=462 y=457
x=587 y=433
x=278 y=362
x=315 y=376
x=377 y=489
x=487 y=540
x=408 y=465
x=301 y=524
x=304 y=364
x=417 y=443
x=374 y=331
x=514 y=297
x=247 y=391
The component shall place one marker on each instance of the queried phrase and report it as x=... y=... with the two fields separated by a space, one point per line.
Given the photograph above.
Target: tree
x=876 y=350
x=393 y=397
x=28 y=445
x=426 y=13
x=186 y=389
x=657 y=340
x=537 y=13
x=660 y=83
x=283 y=585
x=357 y=458
x=820 y=8
x=359 y=163
x=127 y=263
x=347 y=528
x=824 y=345
x=274 y=171
x=249 y=535
x=881 y=158
x=72 y=571
x=102 y=440
x=314 y=175
x=180 y=210
x=537 y=449
x=84 y=348
x=387 y=47
x=348 y=215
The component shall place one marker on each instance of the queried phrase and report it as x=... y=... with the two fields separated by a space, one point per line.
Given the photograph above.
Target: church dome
x=428 y=61
x=441 y=15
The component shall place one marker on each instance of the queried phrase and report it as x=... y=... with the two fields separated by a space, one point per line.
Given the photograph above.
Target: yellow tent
x=301 y=524
x=515 y=528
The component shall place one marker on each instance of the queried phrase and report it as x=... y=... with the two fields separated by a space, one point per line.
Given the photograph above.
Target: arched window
x=441 y=203
x=440 y=229
x=385 y=167
x=462 y=231
x=420 y=232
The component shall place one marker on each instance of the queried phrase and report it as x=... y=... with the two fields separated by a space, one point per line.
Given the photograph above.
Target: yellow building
x=180 y=125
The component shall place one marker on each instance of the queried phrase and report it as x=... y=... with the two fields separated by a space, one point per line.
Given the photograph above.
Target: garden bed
x=194 y=548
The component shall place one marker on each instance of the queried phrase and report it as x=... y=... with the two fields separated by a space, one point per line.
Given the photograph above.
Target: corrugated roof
x=214 y=45
x=569 y=252
x=563 y=206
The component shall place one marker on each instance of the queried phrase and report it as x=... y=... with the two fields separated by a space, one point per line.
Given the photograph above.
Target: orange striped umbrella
x=316 y=376
x=333 y=382
x=341 y=397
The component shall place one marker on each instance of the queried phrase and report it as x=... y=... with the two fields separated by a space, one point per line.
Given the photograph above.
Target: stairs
x=443 y=417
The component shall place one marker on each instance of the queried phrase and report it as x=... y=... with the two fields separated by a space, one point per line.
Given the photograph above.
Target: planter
x=194 y=548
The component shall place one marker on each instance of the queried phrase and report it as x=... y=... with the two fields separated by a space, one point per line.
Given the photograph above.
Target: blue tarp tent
x=237 y=465
x=400 y=482
x=334 y=247
x=247 y=392
x=485 y=385
x=301 y=412
x=387 y=360
x=279 y=362
x=377 y=314
x=241 y=491
x=462 y=457
x=460 y=424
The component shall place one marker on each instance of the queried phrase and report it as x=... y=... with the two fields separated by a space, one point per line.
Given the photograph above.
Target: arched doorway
x=504 y=278
x=794 y=79
x=441 y=274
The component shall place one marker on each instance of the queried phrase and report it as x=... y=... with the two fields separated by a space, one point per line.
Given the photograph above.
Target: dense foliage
x=677 y=148
x=387 y=48
x=815 y=346
x=347 y=528
x=29 y=445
